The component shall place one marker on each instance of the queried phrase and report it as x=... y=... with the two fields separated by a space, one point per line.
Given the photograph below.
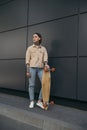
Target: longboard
x=46 y=84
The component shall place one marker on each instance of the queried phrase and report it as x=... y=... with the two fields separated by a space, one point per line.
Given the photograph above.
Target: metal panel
x=59 y=37
x=64 y=78
x=12 y=74
x=44 y=10
x=83 y=35
x=13 y=44
x=83 y=6
x=82 y=79
x=13 y=14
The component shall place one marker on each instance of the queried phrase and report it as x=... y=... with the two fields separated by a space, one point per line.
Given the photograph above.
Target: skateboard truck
x=50 y=69
x=46 y=104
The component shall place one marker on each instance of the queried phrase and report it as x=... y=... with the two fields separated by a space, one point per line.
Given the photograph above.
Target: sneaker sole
x=40 y=106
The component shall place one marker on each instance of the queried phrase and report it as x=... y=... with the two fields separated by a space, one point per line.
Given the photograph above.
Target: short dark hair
x=40 y=36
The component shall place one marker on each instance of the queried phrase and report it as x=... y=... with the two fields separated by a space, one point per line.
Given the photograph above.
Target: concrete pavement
x=15 y=114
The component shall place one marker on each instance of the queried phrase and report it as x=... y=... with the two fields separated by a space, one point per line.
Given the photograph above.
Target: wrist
x=27 y=68
x=45 y=63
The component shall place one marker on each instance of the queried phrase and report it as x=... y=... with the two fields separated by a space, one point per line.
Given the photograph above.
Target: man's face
x=36 y=38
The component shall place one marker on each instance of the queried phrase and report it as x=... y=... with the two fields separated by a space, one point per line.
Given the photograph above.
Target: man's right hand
x=28 y=75
x=46 y=68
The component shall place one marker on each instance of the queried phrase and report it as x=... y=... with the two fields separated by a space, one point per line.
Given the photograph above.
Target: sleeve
x=45 y=56
x=28 y=57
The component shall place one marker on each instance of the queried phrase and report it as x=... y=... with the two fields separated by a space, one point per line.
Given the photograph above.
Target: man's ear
x=39 y=38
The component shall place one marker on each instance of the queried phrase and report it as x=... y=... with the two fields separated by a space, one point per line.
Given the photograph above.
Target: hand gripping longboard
x=46 y=84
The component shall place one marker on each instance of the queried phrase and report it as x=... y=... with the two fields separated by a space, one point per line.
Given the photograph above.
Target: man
x=36 y=60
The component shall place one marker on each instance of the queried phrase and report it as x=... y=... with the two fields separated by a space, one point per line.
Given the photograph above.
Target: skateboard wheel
x=52 y=102
x=53 y=69
x=45 y=105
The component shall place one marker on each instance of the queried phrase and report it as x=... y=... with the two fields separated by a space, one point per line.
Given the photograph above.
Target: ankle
x=39 y=100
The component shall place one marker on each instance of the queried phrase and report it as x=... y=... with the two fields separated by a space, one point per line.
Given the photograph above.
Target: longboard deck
x=46 y=83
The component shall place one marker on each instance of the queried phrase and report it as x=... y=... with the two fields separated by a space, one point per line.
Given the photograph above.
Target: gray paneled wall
x=12 y=74
x=13 y=14
x=63 y=25
x=13 y=44
x=45 y=10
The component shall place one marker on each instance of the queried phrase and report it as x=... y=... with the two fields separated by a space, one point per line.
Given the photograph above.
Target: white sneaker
x=31 y=104
x=40 y=104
